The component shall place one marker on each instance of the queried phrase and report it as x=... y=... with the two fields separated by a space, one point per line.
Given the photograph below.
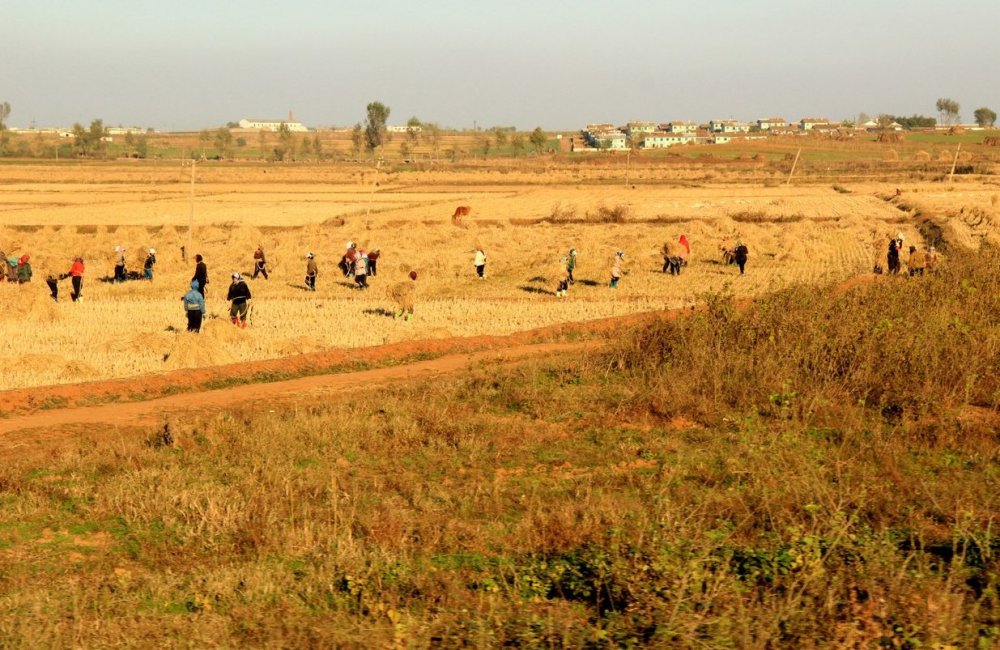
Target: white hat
x=236 y=276
x=152 y=251
x=119 y=249
x=309 y=256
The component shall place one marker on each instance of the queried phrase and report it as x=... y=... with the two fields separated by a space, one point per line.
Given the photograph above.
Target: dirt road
x=35 y=428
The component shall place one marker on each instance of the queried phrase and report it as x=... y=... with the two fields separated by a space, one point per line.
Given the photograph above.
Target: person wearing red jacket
x=76 y=275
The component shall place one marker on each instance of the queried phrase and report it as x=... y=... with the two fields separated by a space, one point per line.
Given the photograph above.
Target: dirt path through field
x=47 y=424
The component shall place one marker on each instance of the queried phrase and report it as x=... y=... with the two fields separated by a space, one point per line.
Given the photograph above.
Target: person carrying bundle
x=259 y=263
x=147 y=266
x=120 y=266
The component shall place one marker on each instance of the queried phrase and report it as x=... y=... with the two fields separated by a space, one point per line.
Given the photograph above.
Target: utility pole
x=794 y=163
x=191 y=214
x=951 y=176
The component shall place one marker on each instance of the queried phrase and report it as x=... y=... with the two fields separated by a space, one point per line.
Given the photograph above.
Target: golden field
x=525 y=214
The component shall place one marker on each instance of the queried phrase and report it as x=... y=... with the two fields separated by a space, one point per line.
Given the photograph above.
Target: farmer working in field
x=147 y=266
x=373 y=262
x=671 y=257
x=479 y=261
x=23 y=269
x=616 y=268
x=194 y=307
x=404 y=294
x=571 y=266
x=200 y=274
x=740 y=255
x=239 y=295
x=259 y=263
x=892 y=257
x=311 y=272
x=918 y=260
x=120 y=265
x=361 y=270
x=76 y=275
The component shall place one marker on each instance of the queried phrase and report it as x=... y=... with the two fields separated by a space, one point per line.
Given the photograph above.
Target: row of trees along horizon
x=369 y=137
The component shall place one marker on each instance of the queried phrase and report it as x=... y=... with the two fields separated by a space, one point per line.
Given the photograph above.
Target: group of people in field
x=917 y=262
x=355 y=262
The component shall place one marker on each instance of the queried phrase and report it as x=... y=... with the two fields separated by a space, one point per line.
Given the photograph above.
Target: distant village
x=650 y=135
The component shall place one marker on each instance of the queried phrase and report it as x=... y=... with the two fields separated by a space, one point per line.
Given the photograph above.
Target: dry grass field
x=526 y=217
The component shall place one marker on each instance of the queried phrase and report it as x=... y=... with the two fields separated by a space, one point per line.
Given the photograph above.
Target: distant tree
x=948 y=109
x=404 y=150
x=376 y=133
x=223 y=142
x=262 y=141
x=915 y=121
x=241 y=142
x=484 y=141
x=357 y=139
x=413 y=128
x=318 y=147
x=538 y=138
x=204 y=137
x=884 y=120
x=142 y=146
x=433 y=131
x=306 y=146
x=862 y=118
x=129 y=144
x=4 y=114
x=500 y=136
x=287 y=141
x=985 y=116
x=232 y=125
x=517 y=142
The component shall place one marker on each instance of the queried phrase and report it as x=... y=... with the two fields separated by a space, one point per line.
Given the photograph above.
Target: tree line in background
x=369 y=136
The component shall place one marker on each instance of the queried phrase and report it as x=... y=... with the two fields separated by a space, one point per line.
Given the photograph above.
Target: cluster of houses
x=649 y=135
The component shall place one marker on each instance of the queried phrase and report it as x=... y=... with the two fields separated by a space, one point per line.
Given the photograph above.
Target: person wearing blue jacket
x=194 y=307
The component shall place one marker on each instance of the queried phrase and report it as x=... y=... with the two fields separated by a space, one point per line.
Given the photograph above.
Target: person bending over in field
x=239 y=297
x=361 y=270
x=147 y=266
x=259 y=263
x=76 y=275
x=373 y=262
x=671 y=258
x=404 y=294
x=311 y=272
x=616 y=268
x=918 y=260
x=200 y=274
x=120 y=265
x=194 y=307
x=24 y=269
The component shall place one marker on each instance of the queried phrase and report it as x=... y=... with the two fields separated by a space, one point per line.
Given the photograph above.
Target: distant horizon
x=189 y=66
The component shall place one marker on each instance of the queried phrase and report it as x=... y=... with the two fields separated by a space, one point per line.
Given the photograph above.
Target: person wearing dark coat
x=239 y=295
x=200 y=274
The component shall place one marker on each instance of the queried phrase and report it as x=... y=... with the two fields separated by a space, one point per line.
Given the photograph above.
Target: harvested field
x=795 y=233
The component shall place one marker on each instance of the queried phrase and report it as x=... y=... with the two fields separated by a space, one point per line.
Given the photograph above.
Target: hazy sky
x=193 y=64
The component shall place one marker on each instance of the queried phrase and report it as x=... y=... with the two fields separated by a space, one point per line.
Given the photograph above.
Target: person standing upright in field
x=571 y=266
x=239 y=296
x=194 y=307
x=479 y=261
x=259 y=263
x=361 y=270
x=741 y=255
x=311 y=272
x=76 y=276
x=616 y=268
x=147 y=266
x=200 y=274
x=892 y=257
